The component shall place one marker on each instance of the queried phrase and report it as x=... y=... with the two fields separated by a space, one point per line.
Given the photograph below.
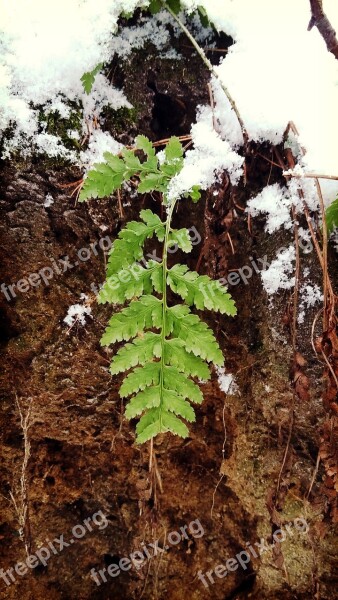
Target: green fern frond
x=148 y=398
x=180 y=383
x=172 y=402
x=105 y=178
x=149 y=426
x=88 y=78
x=186 y=362
x=161 y=363
x=171 y=423
x=102 y=180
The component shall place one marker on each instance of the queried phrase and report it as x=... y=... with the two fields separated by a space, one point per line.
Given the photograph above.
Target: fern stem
x=164 y=295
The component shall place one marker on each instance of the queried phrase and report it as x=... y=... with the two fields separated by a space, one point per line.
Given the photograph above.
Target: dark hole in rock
x=40 y=568
x=169 y=111
x=111 y=559
x=112 y=518
x=49 y=480
x=54 y=445
x=243 y=588
x=7 y=329
x=13 y=440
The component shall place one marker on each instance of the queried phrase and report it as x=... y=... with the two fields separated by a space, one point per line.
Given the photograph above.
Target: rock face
x=68 y=455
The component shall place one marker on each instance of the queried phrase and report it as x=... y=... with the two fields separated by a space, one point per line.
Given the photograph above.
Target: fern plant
x=167 y=346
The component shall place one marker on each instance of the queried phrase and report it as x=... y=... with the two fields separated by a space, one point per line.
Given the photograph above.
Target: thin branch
x=314 y=476
x=22 y=510
x=120 y=204
x=182 y=138
x=287 y=447
x=322 y=258
x=214 y=493
x=212 y=105
x=324 y=253
x=317 y=247
x=314 y=323
x=294 y=346
x=151 y=454
x=211 y=68
x=320 y=20
x=297 y=277
x=311 y=175
x=330 y=369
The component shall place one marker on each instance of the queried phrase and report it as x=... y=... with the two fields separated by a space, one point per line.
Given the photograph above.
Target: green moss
x=121 y=120
x=59 y=126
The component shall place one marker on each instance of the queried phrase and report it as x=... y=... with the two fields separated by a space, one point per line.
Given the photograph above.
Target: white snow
x=77 y=313
x=99 y=142
x=45 y=49
x=49 y=200
x=138 y=36
x=51 y=145
x=209 y=158
x=278 y=275
x=226 y=381
x=275 y=201
x=305 y=241
x=277 y=71
x=310 y=295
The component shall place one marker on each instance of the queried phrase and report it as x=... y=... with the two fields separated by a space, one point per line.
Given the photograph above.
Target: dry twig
x=320 y=20
x=21 y=506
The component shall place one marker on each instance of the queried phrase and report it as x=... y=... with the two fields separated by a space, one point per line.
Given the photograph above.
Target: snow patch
x=310 y=295
x=278 y=275
x=77 y=313
x=49 y=200
x=99 y=143
x=45 y=49
x=210 y=156
x=226 y=382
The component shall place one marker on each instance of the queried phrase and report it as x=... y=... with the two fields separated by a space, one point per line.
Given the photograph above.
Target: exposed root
x=20 y=498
